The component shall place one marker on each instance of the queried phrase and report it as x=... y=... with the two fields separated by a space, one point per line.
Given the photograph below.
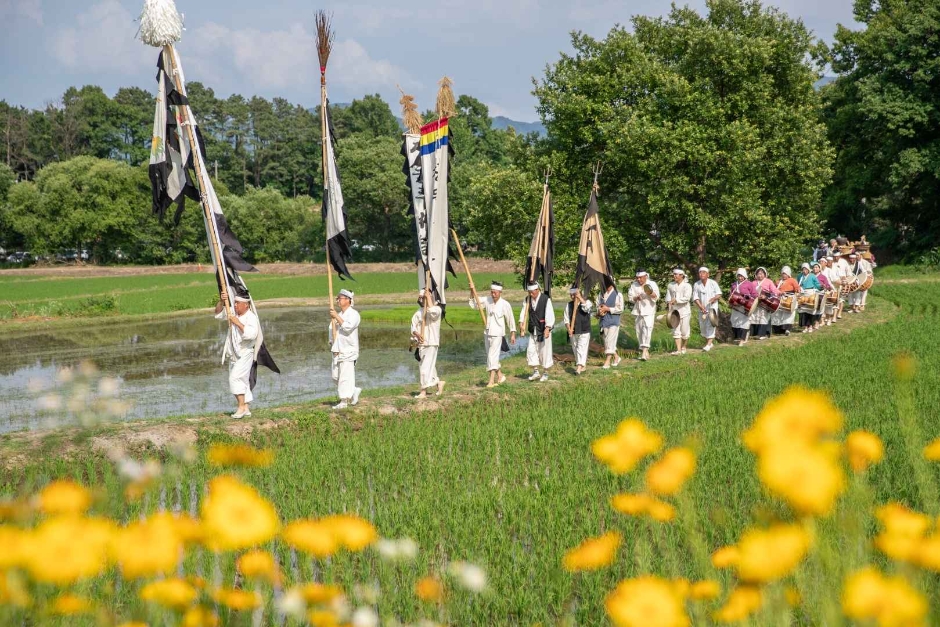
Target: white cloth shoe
x=355 y=398
x=543 y=378
x=245 y=414
x=617 y=360
x=535 y=375
x=341 y=405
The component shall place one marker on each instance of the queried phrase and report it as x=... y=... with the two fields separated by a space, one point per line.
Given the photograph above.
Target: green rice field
x=505 y=479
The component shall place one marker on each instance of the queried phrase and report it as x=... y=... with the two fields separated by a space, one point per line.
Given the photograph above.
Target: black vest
x=582 y=320
x=536 y=324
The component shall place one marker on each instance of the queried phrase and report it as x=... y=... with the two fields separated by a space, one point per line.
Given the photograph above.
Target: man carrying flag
x=344 y=344
x=498 y=318
x=538 y=317
x=426 y=335
x=177 y=171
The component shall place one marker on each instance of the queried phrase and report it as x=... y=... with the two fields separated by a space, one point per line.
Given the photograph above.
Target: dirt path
x=300 y=269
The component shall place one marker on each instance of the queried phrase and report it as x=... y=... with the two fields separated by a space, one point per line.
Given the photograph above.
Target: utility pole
x=217 y=169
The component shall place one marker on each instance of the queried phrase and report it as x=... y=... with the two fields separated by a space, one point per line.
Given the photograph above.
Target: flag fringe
x=324 y=38
x=160 y=23
x=409 y=113
x=446 y=105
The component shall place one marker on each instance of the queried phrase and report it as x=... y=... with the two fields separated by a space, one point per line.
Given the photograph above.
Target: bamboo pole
x=466 y=268
x=188 y=123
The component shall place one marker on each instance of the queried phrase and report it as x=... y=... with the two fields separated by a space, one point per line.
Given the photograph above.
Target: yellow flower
x=864 y=449
x=239 y=455
x=133 y=623
x=869 y=595
x=429 y=589
x=905 y=365
x=318 y=593
x=928 y=553
x=71 y=605
x=259 y=565
x=726 y=556
x=351 y=532
x=622 y=450
x=646 y=602
x=792 y=596
x=593 y=553
x=903 y=532
x=798 y=415
x=643 y=504
x=932 y=451
x=313 y=537
x=12 y=544
x=147 y=548
x=322 y=618
x=236 y=517
x=173 y=593
x=705 y=590
x=13 y=590
x=667 y=476
x=62 y=551
x=808 y=478
x=742 y=602
x=238 y=600
x=200 y=616
x=63 y=497
x=770 y=554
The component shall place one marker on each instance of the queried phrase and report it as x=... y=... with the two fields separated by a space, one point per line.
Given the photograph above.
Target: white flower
x=404 y=549
x=407 y=549
x=388 y=549
x=470 y=576
x=108 y=386
x=368 y=593
x=365 y=617
x=292 y=604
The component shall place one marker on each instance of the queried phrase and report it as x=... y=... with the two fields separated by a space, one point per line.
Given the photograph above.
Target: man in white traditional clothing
x=678 y=298
x=240 y=348
x=609 y=308
x=498 y=319
x=537 y=317
x=643 y=294
x=579 y=333
x=344 y=344
x=426 y=334
x=842 y=267
x=705 y=294
x=867 y=267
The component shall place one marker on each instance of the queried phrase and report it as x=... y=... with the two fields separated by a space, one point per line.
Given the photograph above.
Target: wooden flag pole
x=466 y=268
x=188 y=123
x=324 y=47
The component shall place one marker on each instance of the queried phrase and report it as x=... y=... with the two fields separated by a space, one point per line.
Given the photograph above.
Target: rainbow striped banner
x=433 y=136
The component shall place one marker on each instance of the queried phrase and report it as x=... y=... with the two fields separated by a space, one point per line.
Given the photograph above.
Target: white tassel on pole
x=160 y=23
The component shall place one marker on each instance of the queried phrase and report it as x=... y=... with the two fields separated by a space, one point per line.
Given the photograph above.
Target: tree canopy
x=883 y=115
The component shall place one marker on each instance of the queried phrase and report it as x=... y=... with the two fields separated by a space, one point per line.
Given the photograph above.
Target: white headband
x=532 y=286
x=346 y=293
x=704 y=269
x=573 y=290
x=242 y=299
x=679 y=271
x=496 y=288
x=641 y=274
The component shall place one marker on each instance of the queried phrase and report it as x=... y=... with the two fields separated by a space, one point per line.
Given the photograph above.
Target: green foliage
x=502 y=209
x=271 y=227
x=375 y=194
x=708 y=131
x=371 y=116
x=883 y=113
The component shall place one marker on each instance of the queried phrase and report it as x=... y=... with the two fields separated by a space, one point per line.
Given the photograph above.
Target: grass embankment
x=24 y=297
x=507 y=479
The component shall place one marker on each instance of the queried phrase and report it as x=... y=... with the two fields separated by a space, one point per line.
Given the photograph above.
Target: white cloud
x=102 y=39
x=284 y=59
x=26 y=9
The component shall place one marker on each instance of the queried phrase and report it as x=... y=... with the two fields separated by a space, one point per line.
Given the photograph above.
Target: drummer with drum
x=782 y=320
x=827 y=290
x=743 y=299
x=706 y=295
x=767 y=302
x=678 y=299
x=809 y=298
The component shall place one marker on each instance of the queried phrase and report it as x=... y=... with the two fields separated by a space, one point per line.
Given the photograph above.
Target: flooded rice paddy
x=173 y=366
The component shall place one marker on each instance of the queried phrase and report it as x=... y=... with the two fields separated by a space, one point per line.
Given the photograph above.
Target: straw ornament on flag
x=178 y=170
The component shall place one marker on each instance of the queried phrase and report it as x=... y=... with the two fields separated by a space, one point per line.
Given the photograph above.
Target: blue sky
x=490 y=48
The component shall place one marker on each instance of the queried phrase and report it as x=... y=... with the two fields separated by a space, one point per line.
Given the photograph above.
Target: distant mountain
x=522 y=128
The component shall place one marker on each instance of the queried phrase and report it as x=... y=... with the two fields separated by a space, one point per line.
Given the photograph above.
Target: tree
x=271 y=227
x=371 y=116
x=883 y=114
x=134 y=124
x=708 y=131
x=375 y=194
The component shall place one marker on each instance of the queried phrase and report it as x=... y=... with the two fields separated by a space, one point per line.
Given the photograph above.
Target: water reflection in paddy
x=173 y=366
